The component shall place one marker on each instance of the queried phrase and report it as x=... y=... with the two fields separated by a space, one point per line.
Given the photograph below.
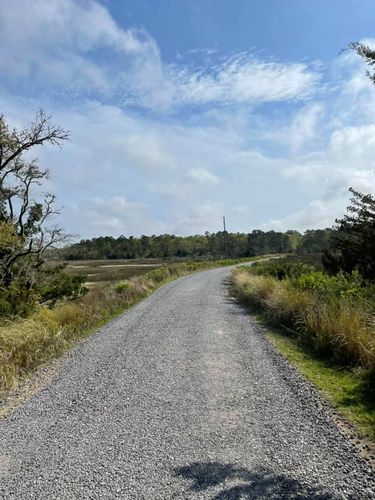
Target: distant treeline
x=215 y=245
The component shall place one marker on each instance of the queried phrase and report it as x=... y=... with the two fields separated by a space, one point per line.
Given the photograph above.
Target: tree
x=314 y=241
x=26 y=231
x=353 y=243
x=368 y=54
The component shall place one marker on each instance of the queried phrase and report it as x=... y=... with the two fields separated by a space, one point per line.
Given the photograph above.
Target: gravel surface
x=180 y=397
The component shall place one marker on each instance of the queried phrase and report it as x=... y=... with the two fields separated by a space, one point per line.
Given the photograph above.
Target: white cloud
x=354 y=146
x=75 y=48
x=116 y=215
x=75 y=25
x=203 y=176
x=303 y=126
x=54 y=39
x=245 y=79
x=147 y=151
x=317 y=214
x=347 y=162
x=199 y=219
x=350 y=154
x=107 y=189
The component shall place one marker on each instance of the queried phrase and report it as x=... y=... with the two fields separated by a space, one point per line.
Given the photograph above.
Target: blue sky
x=182 y=111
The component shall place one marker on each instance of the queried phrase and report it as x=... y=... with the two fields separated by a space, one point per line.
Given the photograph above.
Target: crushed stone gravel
x=181 y=397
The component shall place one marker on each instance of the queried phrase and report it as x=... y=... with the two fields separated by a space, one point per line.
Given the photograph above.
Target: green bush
x=282 y=270
x=342 y=285
x=303 y=276
x=17 y=300
x=21 y=298
x=61 y=286
x=5 y=307
x=122 y=286
x=159 y=275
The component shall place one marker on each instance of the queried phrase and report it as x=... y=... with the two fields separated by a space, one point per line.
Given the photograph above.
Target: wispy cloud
x=244 y=79
x=76 y=47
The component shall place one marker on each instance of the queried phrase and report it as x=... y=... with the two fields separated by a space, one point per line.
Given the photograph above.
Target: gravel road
x=179 y=398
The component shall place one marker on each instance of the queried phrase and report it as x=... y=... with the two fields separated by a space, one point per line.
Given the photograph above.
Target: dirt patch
x=38 y=381
x=365 y=447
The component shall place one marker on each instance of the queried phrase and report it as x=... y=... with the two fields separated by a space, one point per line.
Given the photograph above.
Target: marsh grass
x=101 y=273
x=339 y=326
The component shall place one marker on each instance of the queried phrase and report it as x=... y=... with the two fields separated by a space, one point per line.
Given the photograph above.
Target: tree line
x=210 y=245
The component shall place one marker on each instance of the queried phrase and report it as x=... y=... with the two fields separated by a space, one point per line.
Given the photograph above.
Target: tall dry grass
x=340 y=326
x=26 y=344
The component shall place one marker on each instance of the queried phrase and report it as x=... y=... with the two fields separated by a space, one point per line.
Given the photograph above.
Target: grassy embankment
x=324 y=325
x=26 y=344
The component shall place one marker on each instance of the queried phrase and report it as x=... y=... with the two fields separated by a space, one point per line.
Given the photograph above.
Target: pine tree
x=353 y=242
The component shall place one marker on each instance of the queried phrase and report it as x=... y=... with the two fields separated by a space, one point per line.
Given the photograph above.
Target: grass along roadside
x=349 y=388
x=27 y=344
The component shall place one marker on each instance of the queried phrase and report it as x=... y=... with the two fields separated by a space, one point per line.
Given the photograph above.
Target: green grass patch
x=349 y=390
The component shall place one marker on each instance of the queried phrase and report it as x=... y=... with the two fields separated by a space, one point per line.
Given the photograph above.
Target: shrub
x=159 y=275
x=61 y=286
x=17 y=300
x=327 y=313
x=282 y=270
x=122 y=286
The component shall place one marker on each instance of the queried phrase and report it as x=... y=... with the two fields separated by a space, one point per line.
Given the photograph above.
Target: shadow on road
x=255 y=484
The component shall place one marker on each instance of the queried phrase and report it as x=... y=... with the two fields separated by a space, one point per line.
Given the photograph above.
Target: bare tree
x=26 y=218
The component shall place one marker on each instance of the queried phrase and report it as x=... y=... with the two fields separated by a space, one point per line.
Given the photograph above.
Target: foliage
x=122 y=286
x=25 y=230
x=353 y=243
x=367 y=54
x=306 y=276
x=60 y=285
x=282 y=269
x=160 y=274
x=314 y=241
x=16 y=300
x=341 y=285
x=210 y=245
x=332 y=314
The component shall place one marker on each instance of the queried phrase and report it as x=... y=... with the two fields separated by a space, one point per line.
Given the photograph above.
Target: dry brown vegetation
x=342 y=326
x=100 y=273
